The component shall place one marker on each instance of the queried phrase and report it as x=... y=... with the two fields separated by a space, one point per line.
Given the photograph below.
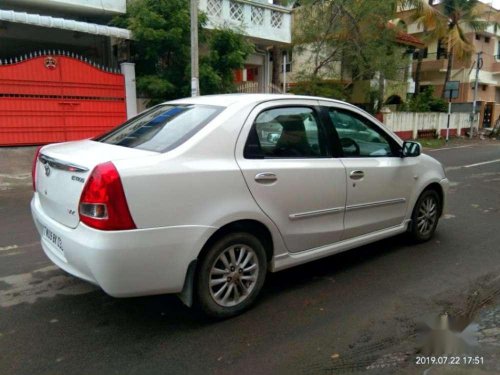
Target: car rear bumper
x=123 y=263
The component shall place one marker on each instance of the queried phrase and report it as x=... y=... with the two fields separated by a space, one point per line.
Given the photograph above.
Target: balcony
x=432 y=65
x=265 y=24
x=496 y=66
x=434 y=62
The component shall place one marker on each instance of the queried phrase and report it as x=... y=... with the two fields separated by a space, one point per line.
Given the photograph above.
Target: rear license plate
x=53 y=238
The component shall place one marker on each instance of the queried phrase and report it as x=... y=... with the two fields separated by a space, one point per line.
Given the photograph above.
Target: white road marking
x=9 y=248
x=16 y=248
x=22 y=176
x=482 y=163
x=448 y=148
x=472 y=165
x=29 y=287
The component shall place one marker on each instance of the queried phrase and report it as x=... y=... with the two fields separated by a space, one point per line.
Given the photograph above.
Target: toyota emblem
x=47 y=170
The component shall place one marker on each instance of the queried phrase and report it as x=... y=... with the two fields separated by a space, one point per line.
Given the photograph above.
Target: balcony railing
x=266 y=23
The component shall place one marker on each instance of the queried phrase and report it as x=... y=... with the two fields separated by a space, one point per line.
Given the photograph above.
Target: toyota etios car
x=203 y=196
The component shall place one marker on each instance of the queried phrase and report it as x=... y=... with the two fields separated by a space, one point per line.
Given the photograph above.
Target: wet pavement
x=376 y=310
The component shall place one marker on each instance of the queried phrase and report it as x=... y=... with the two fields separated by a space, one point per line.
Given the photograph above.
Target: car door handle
x=266 y=177
x=357 y=175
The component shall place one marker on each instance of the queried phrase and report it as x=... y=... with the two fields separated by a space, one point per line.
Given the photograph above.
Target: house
x=264 y=23
x=435 y=62
x=337 y=71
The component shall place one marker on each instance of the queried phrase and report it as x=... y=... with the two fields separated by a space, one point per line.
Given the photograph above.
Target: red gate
x=56 y=97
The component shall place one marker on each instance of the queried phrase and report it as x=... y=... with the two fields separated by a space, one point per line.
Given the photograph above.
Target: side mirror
x=411 y=149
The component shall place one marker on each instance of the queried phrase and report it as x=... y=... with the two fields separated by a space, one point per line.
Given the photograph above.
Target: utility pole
x=449 y=116
x=195 y=82
x=479 y=65
x=284 y=73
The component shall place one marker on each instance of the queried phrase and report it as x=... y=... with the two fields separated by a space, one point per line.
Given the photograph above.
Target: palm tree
x=426 y=17
x=448 y=21
x=460 y=15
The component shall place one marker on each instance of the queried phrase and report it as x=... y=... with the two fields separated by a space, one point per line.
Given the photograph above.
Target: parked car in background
x=203 y=196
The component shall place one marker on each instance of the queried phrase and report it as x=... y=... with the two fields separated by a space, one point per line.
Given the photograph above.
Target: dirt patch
x=459 y=329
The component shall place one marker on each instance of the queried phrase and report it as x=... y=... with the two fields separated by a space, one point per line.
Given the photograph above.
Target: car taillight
x=103 y=204
x=33 y=167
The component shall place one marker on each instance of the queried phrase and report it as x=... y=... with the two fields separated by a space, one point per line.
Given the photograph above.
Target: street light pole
x=195 y=83
x=479 y=65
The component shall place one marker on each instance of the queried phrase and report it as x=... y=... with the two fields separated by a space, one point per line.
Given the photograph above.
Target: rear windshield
x=162 y=128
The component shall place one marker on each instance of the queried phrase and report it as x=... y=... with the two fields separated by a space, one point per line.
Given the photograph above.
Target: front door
x=379 y=181
x=287 y=164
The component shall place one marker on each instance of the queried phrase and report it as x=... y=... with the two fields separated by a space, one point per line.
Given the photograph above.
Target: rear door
x=379 y=182
x=286 y=161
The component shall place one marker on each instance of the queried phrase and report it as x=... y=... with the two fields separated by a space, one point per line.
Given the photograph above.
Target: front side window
x=162 y=128
x=286 y=132
x=359 y=137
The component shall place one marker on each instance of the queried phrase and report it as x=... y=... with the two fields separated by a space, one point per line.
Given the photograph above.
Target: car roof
x=227 y=100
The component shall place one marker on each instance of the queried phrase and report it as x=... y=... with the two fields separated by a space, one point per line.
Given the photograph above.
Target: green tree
x=349 y=38
x=426 y=17
x=228 y=51
x=161 y=50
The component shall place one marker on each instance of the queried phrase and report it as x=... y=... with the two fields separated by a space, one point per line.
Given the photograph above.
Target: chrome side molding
x=376 y=204
x=327 y=211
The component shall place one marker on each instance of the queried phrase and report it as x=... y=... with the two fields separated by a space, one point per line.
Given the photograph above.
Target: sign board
x=452 y=89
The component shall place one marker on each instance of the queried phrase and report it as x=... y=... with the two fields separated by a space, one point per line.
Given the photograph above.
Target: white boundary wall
x=406 y=122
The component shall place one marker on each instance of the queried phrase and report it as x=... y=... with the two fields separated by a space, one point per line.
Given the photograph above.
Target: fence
x=251 y=87
x=408 y=125
x=55 y=96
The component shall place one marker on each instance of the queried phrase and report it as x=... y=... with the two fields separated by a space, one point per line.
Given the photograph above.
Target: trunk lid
x=63 y=169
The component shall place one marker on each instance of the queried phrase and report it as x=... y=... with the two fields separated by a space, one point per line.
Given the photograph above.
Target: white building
x=263 y=22
x=80 y=27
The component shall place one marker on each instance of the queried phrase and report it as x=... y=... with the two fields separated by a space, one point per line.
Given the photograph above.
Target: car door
x=379 y=181
x=285 y=158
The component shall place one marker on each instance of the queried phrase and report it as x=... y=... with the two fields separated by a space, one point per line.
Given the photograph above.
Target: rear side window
x=162 y=128
x=286 y=132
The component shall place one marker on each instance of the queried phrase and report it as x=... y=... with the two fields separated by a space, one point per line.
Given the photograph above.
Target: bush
x=426 y=102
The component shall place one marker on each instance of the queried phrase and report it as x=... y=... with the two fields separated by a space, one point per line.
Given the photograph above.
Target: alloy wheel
x=427 y=215
x=233 y=275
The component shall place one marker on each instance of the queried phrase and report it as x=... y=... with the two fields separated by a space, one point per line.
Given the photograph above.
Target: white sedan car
x=203 y=196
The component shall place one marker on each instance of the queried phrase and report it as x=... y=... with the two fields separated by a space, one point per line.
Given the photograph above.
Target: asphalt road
x=358 y=311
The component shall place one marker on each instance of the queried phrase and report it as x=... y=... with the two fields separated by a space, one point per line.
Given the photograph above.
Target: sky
x=496 y=3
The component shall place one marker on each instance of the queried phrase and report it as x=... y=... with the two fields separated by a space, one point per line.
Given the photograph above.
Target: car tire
x=230 y=275
x=425 y=216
